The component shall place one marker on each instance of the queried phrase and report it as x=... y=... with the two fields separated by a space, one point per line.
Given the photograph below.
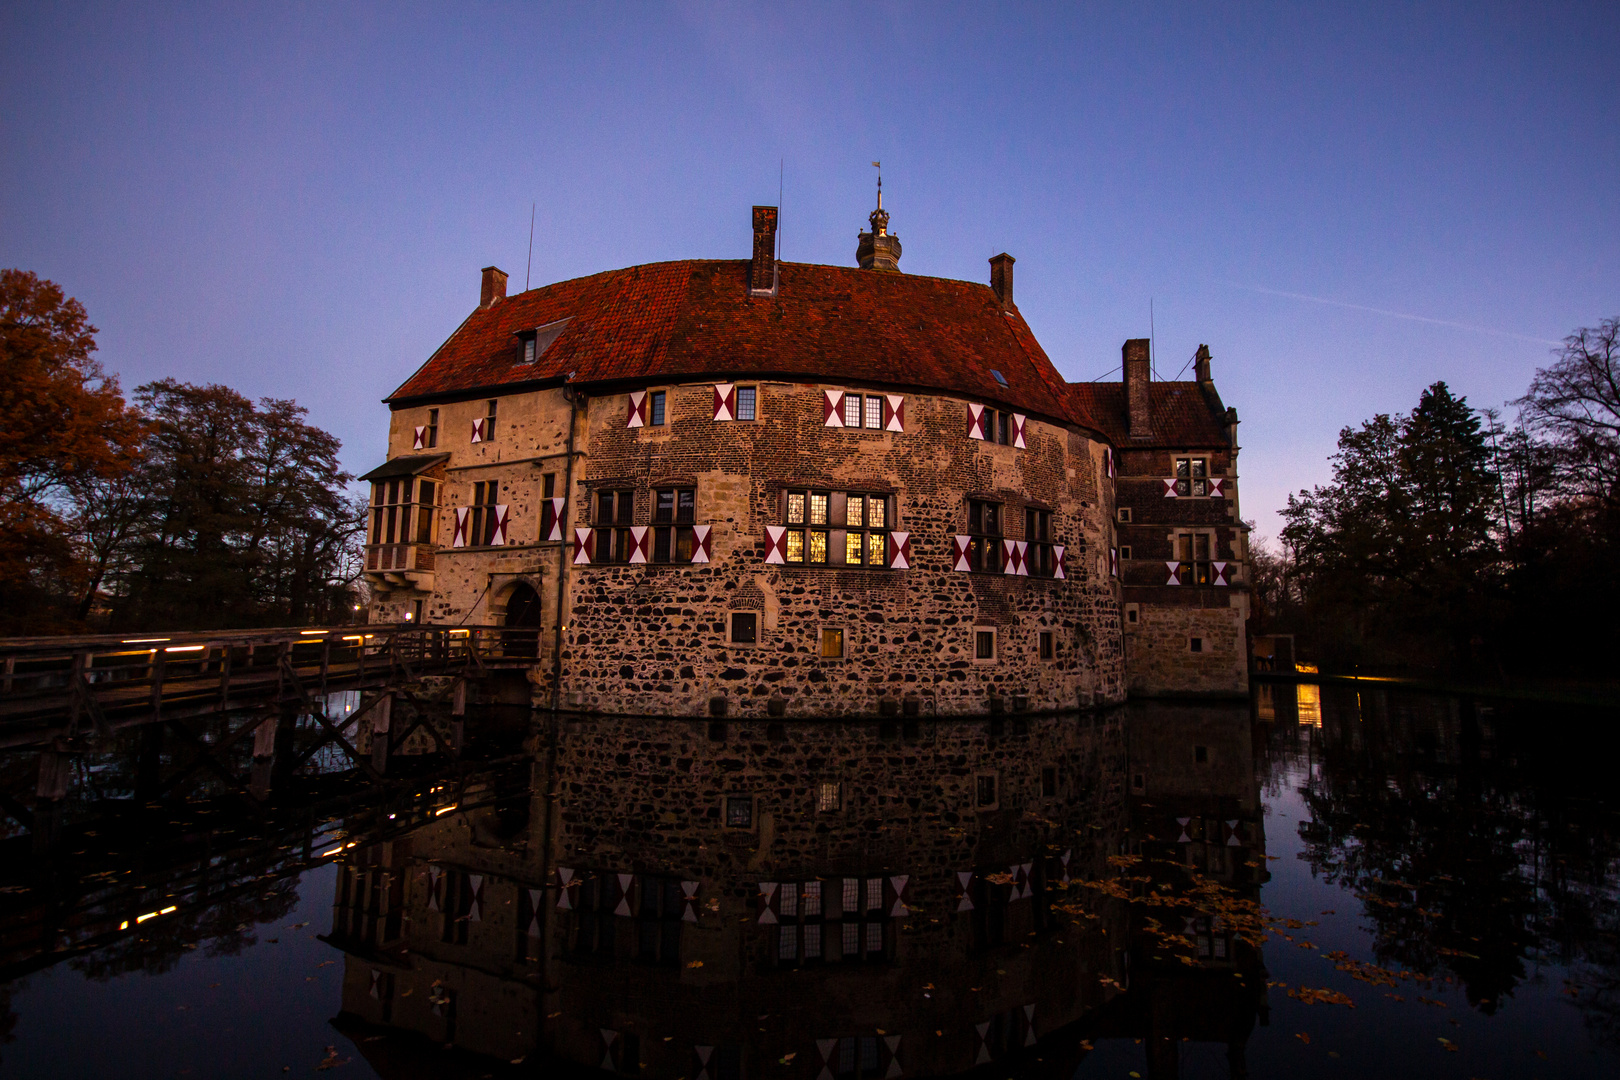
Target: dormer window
x=999 y=377
x=538 y=340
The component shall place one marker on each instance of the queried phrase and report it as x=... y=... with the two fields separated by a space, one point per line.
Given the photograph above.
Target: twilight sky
x=1347 y=205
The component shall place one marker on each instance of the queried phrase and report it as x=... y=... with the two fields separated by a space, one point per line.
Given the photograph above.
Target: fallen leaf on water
x=1302 y=1037
x=1333 y=1053
x=323 y=963
x=1323 y=997
x=695 y=964
x=788 y=1057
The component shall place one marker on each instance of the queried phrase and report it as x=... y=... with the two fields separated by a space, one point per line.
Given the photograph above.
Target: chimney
x=1201 y=366
x=1001 y=277
x=493 y=289
x=762 y=271
x=1137 y=375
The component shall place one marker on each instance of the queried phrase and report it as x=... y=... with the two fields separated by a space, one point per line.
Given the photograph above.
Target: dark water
x=1339 y=885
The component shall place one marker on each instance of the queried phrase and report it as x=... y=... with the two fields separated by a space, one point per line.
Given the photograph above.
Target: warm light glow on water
x=1310 y=704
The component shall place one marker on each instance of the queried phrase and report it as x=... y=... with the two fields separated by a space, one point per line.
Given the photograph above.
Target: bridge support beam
x=381 y=722
x=286 y=725
x=264 y=756
x=55 y=774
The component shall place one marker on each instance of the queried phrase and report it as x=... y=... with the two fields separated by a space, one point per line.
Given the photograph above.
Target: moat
x=1321 y=881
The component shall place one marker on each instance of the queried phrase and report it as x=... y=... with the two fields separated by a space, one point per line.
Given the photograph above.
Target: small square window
x=832 y=643
x=1201 y=755
x=984 y=644
x=1132 y=614
x=739 y=812
x=829 y=796
x=1049 y=782
x=985 y=790
x=1138 y=782
x=1125 y=552
x=1195 y=644
x=657 y=410
x=746 y=399
x=744 y=628
x=1045 y=642
x=1125 y=514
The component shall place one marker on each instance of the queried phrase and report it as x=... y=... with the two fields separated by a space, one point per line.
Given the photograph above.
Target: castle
x=760 y=488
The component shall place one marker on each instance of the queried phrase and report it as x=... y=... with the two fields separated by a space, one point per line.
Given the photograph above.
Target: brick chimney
x=1001 y=277
x=493 y=289
x=1201 y=366
x=762 y=271
x=1137 y=374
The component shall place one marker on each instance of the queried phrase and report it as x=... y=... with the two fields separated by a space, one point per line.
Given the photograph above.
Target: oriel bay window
x=1039 y=557
x=1193 y=550
x=614 y=513
x=398 y=519
x=673 y=510
x=984 y=531
x=845 y=528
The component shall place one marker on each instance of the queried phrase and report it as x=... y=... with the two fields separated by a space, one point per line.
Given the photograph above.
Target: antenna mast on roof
x=781 y=171
x=1153 y=340
x=530 y=265
x=878 y=165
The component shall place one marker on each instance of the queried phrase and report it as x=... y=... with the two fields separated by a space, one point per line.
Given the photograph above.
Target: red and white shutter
x=557 y=504
x=1057 y=562
x=1029 y=1025
x=638 y=409
x=624 y=881
x=1108 y=461
x=584 y=546
x=959 y=552
x=1175 y=573
x=894 y=1070
x=897 y=894
x=1170 y=488
x=832 y=408
x=1018 y=429
x=1063 y=861
x=535 y=898
x=725 y=401
x=608 y=1039
x=458 y=538
x=376 y=980
x=962 y=882
x=501 y=522
x=689 y=893
x=1113 y=562
x=638 y=543
x=1232 y=837
x=704 y=1053
x=420 y=441
x=899 y=551
x=435 y=878
x=1013 y=552
x=1222 y=576
x=975 y=421
x=1217 y=488
x=1185 y=837
x=475 y=892
x=567 y=889
x=478 y=430
x=770 y=902
x=825 y=1048
x=702 y=543
x=775 y=544
x=984 y=1043
x=894 y=412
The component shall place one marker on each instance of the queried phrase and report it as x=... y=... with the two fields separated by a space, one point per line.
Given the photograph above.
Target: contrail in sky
x=1392 y=314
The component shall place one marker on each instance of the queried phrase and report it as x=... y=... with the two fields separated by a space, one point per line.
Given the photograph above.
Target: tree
x=1576 y=403
x=66 y=424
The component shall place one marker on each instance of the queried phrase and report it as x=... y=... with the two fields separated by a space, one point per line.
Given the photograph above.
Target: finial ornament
x=879 y=249
x=879 y=217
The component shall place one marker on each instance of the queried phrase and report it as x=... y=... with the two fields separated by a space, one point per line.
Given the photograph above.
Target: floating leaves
x=1323 y=996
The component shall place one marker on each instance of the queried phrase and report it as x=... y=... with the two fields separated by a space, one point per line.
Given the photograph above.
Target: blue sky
x=1345 y=202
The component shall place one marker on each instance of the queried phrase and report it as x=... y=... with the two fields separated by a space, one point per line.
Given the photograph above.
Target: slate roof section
x=408 y=465
x=1180 y=413
x=694 y=318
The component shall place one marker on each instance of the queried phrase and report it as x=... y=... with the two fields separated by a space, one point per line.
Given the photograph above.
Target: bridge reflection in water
x=718 y=900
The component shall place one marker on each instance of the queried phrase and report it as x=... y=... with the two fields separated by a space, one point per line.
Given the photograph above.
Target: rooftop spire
x=878 y=250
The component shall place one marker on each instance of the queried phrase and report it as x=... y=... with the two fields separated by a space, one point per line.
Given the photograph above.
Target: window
x=984 y=536
x=832 y=644
x=482 y=528
x=1049 y=782
x=739 y=811
x=430 y=437
x=1193 y=551
x=614 y=512
x=1044 y=641
x=1192 y=476
x=744 y=628
x=673 y=538
x=1003 y=427
x=1040 y=557
x=1201 y=755
x=1195 y=644
x=841 y=919
x=849 y=528
x=1125 y=515
x=658 y=920
x=1125 y=551
x=656 y=410
x=747 y=397
x=391 y=514
x=984 y=790
x=529 y=351
x=1132 y=614
x=425 y=507
x=852 y=410
x=874 y=412
x=548 y=517
x=489 y=422
x=984 y=643
x=829 y=796
x=595 y=925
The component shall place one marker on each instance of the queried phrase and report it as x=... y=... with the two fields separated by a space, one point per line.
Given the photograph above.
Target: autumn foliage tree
x=66 y=425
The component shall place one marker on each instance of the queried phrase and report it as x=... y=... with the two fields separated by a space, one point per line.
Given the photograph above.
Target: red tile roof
x=1179 y=413
x=695 y=319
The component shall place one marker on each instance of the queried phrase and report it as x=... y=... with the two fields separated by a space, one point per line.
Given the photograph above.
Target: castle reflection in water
x=717 y=900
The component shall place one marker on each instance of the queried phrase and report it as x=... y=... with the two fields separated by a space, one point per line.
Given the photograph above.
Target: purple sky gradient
x=1346 y=205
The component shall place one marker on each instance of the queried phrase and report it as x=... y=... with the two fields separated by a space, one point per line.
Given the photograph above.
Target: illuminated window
x=829 y=796
x=832 y=643
x=984 y=536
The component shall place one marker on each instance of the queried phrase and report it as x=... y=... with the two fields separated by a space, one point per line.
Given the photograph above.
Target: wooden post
x=225 y=675
x=11 y=671
x=159 y=661
x=326 y=662
x=264 y=757
x=149 y=762
x=55 y=773
x=76 y=689
x=381 y=721
x=286 y=728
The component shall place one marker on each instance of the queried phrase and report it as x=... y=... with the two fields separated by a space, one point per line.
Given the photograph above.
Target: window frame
x=843 y=643
x=481 y=517
x=431 y=435
x=1191 y=569
x=978 y=642
x=1045 y=645
x=731 y=628
x=802 y=535
x=657 y=407
x=489 y=419
x=986 y=552
x=752 y=393
x=613 y=538
x=677 y=532
x=1123 y=515
x=1192 y=477
x=1040 y=554
x=729 y=802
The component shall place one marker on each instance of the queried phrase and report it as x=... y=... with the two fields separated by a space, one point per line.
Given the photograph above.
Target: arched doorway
x=522 y=637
